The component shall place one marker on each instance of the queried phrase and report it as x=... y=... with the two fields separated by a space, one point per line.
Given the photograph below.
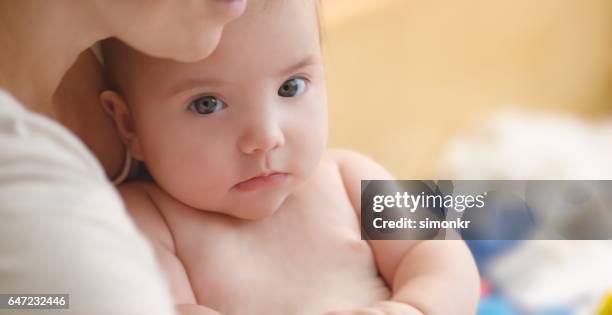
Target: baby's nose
x=262 y=136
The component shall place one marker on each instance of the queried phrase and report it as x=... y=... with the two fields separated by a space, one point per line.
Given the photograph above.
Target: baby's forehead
x=275 y=32
x=276 y=27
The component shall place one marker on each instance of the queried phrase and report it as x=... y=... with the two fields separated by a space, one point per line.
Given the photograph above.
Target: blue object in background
x=555 y=311
x=496 y=305
x=483 y=250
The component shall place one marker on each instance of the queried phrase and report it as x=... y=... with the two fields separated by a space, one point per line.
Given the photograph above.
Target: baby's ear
x=118 y=109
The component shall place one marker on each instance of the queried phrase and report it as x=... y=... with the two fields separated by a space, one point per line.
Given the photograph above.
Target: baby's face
x=237 y=132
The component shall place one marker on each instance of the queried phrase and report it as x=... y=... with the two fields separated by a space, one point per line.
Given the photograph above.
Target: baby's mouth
x=263 y=180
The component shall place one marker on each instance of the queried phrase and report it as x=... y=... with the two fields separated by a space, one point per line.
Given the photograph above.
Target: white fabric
x=63 y=227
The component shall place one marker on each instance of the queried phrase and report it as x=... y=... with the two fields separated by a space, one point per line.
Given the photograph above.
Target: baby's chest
x=307 y=258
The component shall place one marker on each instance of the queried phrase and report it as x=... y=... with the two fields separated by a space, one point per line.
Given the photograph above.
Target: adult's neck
x=39 y=41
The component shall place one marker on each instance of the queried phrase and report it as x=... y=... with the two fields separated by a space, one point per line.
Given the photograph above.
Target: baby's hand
x=382 y=308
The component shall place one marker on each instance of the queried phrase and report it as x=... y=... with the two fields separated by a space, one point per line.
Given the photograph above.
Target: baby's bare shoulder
x=355 y=162
x=140 y=200
x=354 y=167
x=138 y=196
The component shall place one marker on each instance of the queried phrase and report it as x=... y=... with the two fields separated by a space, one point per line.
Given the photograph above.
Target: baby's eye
x=292 y=87
x=207 y=105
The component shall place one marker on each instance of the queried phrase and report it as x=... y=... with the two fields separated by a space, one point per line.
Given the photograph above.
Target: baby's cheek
x=197 y=186
x=309 y=148
x=188 y=172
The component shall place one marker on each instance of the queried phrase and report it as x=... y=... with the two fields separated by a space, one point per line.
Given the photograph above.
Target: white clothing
x=63 y=226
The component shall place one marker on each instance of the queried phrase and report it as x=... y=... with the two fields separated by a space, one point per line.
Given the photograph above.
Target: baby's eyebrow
x=307 y=61
x=192 y=83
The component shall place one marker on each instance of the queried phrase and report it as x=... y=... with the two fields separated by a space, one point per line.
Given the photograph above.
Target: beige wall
x=405 y=75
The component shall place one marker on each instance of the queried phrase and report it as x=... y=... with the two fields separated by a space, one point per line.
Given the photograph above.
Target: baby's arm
x=151 y=223
x=428 y=277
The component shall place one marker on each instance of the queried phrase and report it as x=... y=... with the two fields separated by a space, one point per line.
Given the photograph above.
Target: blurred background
x=484 y=89
x=406 y=76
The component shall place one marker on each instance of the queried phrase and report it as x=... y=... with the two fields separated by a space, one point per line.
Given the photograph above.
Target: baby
x=248 y=212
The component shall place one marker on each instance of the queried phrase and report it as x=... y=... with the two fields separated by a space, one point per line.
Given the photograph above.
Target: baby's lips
x=258 y=182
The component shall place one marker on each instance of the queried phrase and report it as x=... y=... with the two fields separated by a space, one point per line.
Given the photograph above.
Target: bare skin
x=30 y=73
x=41 y=40
x=307 y=257
x=249 y=214
x=76 y=106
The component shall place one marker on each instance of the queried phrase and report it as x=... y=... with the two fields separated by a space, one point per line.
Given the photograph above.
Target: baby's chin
x=259 y=203
x=246 y=204
x=252 y=205
x=249 y=209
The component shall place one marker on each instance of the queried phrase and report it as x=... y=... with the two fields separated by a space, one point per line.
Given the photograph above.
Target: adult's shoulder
x=8 y=102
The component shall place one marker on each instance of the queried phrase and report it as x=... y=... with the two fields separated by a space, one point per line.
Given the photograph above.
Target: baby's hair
x=110 y=50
